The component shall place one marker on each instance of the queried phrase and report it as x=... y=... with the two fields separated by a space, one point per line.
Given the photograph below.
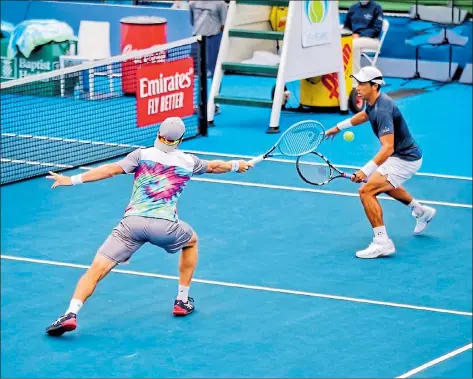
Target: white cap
x=369 y=74
x=172 y=130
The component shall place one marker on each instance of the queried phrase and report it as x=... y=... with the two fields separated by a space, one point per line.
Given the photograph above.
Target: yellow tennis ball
x=348 y=136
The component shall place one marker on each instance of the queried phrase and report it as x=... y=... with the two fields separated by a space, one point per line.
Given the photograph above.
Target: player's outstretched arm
x=357 y=119
x=99 y=173
x=222 y=167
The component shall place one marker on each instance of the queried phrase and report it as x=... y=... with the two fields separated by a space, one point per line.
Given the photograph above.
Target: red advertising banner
x=164 y=90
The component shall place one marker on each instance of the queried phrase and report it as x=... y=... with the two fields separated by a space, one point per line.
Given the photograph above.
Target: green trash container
x=44 y=58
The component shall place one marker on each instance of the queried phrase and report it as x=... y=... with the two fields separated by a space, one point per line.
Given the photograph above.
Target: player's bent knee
x=376 y=184
x=379 y=184
x=364 y=190
x=100 y=266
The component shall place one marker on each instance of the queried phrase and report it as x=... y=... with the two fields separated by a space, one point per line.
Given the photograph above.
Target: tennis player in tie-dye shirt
x=160 y=175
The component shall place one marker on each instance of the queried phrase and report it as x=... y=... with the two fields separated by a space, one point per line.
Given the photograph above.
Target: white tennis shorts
x=399 y=170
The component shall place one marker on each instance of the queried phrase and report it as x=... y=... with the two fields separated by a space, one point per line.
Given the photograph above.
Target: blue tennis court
x=278 y=290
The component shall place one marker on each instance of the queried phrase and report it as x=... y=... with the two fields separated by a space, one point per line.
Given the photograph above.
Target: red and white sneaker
x=183 y=309
x=65 y=323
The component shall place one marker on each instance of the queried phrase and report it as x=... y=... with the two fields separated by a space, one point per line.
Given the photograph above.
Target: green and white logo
x=8 y=69
x=316 y=10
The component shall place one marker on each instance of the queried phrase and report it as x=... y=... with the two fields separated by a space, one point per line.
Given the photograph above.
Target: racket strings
x=314 y=169
x=304 y=138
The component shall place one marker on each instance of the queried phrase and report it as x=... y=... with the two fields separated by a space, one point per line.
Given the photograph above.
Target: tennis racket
x=315 y=169
x=301 y=138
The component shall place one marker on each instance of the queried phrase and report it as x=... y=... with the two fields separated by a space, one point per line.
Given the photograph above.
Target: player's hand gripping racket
x=315 y=169
x=299 y=139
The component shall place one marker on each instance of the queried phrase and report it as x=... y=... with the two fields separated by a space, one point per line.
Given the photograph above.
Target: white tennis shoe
x=380 y=247
x=424 y=219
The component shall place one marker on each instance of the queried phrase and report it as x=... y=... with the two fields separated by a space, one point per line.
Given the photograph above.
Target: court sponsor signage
x=164 y=90
x=330 y=81
x=316 y=26
x=17 y=68
x=9 y=69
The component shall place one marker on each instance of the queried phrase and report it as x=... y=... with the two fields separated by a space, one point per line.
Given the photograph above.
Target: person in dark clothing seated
x=365 y=20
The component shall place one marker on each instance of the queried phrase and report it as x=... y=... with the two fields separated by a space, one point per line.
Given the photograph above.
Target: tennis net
x=90 y=111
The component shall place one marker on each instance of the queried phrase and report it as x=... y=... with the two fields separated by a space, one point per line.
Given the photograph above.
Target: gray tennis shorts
x=134 y=231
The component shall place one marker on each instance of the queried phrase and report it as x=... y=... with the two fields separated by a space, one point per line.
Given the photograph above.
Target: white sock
x=416 y=207
x=380 y=232
x=74 y=306
x=182 y=293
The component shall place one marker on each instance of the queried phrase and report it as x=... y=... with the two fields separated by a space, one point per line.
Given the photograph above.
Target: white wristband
x=76 y=179
x=369 y=168
x=235 y=166
x=345 y=124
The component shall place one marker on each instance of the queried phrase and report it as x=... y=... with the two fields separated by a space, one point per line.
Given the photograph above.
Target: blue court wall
x=178 y=26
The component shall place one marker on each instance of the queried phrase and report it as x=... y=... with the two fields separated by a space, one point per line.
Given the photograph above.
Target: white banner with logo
x=316 y=22
x=312 y=47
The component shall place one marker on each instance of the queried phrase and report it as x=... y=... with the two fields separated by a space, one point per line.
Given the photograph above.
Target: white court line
x=282 y=160
x=45 y=164
x=312 y=190
x=245 y=286
x=436 y=361
x=32 y=163
x=273 y=186
x=328 y=192
x=209 y=153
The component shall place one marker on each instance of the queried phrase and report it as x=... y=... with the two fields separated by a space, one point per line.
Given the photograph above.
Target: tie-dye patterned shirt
x=160 y=179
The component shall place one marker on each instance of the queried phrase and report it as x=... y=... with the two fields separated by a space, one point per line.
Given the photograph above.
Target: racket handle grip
x=351 y=176
x=256 y=159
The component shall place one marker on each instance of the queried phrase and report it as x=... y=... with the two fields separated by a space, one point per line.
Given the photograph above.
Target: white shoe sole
x=426 y=223
x=385 y=254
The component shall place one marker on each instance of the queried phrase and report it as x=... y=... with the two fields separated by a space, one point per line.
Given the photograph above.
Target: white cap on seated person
x=170 y=134
x=369 y=74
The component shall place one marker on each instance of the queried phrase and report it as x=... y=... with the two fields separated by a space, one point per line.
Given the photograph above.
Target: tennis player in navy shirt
x=398 y=159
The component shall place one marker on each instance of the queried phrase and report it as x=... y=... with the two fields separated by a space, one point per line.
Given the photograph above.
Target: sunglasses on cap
x=169 y=142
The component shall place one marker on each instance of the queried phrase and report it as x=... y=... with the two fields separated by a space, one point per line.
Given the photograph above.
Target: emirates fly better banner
x=164 y=90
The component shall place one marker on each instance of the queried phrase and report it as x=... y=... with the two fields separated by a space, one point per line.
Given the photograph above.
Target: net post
x=202 y=67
